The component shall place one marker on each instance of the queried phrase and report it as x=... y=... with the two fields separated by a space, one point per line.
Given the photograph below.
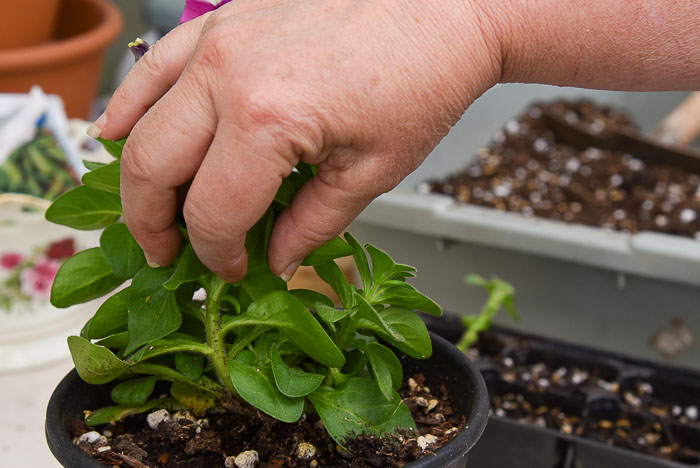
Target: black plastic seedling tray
x=560 y=405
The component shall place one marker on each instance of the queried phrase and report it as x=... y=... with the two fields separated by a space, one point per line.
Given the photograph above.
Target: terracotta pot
x=24 y=24
x=68 y=65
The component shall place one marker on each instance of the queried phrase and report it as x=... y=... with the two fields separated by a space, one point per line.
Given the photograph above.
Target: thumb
x=321 y=210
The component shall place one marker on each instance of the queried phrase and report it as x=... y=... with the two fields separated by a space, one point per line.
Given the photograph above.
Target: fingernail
x=290 y=270
x=95 y=129
x=151 y=263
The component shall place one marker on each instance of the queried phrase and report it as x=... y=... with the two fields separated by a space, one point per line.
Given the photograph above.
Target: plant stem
x=186 y=347
x=163 y=372
x=241 y=344
x=214 y=337
x=482 y=322
x=346 y=332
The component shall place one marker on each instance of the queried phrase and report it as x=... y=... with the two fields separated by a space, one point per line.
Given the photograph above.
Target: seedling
x=500 y=296
x=283 y=352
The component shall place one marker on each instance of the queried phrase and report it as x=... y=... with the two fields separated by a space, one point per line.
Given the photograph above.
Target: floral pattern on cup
x=28 y=278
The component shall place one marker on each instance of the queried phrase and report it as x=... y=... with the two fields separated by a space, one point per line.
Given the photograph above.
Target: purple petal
x=139 y=47
x=195 y=8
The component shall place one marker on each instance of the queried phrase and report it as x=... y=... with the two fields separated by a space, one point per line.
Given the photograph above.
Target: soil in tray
x=187 y=442
x=526 y=169
x=597 y=399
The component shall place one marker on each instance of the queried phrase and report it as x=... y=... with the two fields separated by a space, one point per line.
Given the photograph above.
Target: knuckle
x=136 y=162
x=153 y=63
x=214 y=50
x=274 y=116
x=202 y=224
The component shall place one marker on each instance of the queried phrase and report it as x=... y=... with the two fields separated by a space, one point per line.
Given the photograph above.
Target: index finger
x=162 y=153
x=149 y=79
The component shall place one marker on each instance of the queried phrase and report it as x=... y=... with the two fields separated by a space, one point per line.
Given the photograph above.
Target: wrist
x=465 y=43
x=504 y=24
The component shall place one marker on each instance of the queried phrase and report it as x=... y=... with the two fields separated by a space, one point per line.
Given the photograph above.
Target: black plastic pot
x=509 y=443
x=460 y=376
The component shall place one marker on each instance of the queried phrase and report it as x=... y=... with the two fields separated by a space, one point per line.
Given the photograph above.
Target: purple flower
x=195 y=8
x=138 y=47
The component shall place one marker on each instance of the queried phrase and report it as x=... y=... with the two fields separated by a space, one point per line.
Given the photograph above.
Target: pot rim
x=66 y=50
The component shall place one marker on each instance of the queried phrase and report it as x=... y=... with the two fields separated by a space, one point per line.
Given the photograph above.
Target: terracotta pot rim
x=73 y=48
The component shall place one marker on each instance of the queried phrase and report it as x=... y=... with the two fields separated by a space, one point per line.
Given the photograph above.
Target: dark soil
x=188 y=442
x=595 y=398
x=527 y=169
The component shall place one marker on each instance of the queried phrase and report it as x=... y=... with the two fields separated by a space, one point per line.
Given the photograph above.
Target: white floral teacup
x=32 y=331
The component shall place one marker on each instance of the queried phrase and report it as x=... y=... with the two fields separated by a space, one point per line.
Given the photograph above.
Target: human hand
x=233 y=100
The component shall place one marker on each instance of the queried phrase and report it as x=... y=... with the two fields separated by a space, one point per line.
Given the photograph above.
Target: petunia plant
x=284 y=352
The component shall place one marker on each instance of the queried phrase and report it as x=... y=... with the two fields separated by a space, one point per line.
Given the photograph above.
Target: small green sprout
x=500 y=296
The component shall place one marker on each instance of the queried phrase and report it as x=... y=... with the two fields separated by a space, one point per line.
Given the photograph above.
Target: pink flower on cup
x=36 y=282
x=61 y=249
x=10 y=260
x=195 y=8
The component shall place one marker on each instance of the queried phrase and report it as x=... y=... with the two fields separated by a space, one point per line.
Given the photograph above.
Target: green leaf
x=95 y=364
x=117 y=413
x=187 y=268
x=190 y=365
x=355 y=361
x=85 y=208
x=334 y=248
x=321 y=304
x=384 y=268
x=292 y=381
x=256 y=385
x=256 y=242
x=331 y=273
x=153 y=310
x=113 y=147
x=85 y=331
x=260 y=282
x=366 y=311
x=307 y=170
x=358 y=407
x=83 y=277
x=92 y=165
x=121 y=251
x=501 y=293
x=134 y=392
x=105 y=178
x=285 y=193
x=360 y=261
x=116 y=341
x=174 y=343
x=286 y=313
x=264 y=343
x=355 y=364
x=111 y=317
x=402 y=294
x=410 y=326
x=386 y=368
x=198 y=396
